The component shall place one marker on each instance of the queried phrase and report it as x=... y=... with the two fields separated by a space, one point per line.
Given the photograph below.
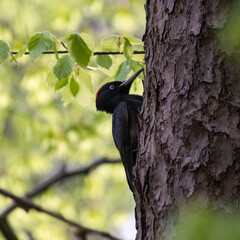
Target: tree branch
x=7 y=230
x=62 y=174
x=27 y=205
x=95 y=53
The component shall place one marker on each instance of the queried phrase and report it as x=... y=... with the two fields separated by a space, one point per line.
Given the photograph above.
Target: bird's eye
x=111 y=87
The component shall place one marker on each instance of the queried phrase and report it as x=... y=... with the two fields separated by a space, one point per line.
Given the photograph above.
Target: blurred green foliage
x=207 y=224
x=229 y=36
x=39 y=133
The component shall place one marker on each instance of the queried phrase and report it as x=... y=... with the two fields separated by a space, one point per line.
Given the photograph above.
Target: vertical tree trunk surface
x=190 y=139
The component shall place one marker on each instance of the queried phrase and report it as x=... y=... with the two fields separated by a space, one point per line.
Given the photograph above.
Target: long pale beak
x=129 y=81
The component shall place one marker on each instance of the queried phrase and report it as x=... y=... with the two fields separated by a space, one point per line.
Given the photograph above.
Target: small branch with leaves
x=80 y=51
x=95 y=53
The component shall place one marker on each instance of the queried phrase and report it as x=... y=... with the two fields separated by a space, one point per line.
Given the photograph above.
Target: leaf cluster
x=69 y=75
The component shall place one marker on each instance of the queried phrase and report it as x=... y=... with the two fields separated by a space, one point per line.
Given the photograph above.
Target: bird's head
x=110 y=94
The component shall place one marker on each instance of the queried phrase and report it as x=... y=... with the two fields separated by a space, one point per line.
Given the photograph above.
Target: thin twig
x=64 y=45
x=95 y=53
x=61 y=174
x=27 y=205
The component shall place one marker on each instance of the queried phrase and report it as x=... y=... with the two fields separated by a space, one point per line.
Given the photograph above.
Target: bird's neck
x=108 y=105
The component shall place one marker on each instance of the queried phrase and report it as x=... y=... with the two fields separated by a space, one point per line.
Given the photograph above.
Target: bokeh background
x=38 y=133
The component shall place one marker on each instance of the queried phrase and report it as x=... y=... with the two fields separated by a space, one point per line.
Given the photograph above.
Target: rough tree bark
x=190 y=139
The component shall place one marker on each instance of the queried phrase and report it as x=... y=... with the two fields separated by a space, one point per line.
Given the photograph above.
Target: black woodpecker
x=114 y=98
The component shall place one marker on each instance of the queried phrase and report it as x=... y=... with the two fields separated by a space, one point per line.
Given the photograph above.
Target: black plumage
x=114 y=98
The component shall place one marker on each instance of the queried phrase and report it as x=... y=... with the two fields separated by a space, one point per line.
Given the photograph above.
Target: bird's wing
x=134 y=103
x=121 y=136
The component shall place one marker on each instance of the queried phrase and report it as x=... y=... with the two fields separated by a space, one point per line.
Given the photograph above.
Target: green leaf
x=135 y=65
x=88 y=40
x=123 y=71
x=51 y=78
x=116 y=62
x=137 y=85
x=21 y=51
x=79 y=50
x=136 y=43
x=111 y=43
x=39 y=43
x=134 y=40
x=66 y=94
x=55 y=47
x=127 y=49
x=4 y=51
x=64 y=38
x=86 y=89
x=104 y=61
x=63 y=67
x=61 y=83
x=74 y=87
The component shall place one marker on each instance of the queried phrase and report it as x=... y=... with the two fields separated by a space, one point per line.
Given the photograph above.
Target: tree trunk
x=190 y=138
